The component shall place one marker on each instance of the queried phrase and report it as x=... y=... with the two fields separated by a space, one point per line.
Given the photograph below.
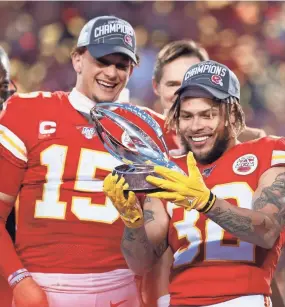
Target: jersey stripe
x=11 y=142
x=278 y=157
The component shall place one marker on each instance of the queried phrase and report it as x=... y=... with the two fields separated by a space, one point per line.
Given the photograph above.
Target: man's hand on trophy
x=128 y=207
x=189 y=192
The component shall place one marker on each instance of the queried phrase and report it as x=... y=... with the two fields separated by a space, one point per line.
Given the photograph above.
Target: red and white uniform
x=65 y=224
x=210 y=265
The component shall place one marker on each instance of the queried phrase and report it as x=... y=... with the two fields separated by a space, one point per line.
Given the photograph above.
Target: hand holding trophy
x=138 y=162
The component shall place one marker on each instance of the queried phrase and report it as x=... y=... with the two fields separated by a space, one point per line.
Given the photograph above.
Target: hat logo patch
x=128 y=40
x=245 y=164
x=217 y=80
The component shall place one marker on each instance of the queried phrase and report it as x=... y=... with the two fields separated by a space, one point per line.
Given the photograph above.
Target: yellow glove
x=189 y=192
x=129 y=209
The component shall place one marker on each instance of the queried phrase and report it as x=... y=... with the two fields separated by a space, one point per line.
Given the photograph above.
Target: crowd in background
x=249 y=37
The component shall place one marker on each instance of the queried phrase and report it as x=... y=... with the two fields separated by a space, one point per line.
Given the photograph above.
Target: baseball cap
x=108 y=34
x=209 y=79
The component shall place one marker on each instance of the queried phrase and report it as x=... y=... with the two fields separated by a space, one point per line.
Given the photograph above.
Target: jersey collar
x=80 y=102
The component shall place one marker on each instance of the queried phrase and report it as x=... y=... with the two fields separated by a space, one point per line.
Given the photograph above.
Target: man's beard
x=220 y=146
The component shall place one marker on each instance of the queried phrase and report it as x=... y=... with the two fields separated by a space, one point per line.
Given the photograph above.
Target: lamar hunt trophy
x=139 y=161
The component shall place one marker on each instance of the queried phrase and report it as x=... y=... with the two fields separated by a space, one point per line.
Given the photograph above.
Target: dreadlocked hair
x=172 y=119
x=232 y=107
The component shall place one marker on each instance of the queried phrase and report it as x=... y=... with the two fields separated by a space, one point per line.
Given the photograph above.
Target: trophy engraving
x=139 y=162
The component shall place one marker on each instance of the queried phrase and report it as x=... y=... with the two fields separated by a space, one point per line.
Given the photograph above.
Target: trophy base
x=135 y=175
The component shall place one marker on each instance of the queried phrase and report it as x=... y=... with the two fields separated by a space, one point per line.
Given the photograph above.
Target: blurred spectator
x=247 y=36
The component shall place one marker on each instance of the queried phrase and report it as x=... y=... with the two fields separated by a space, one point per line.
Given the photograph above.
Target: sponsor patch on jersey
x=47 y=128
x=88 y=132
x=245 y=164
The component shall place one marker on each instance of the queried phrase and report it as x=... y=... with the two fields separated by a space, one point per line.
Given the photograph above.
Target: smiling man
x=224 y=217
x=68 y=235
x=172 y=62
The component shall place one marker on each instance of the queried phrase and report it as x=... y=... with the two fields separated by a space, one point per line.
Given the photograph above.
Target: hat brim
x=100 y=50
x=196 y=91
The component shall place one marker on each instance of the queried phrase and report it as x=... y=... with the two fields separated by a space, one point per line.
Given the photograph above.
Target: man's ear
x=77 y=62
x=156 y=87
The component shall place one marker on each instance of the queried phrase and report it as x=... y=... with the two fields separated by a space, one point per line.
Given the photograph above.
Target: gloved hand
x=189 y=192
x=129 y=208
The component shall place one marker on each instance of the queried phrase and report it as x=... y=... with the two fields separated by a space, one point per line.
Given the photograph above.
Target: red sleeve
x=13 y=160
x=9 y=260
x=11 y=176
x=272 y=153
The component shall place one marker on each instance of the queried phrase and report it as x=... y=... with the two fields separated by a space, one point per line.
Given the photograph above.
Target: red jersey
x=210 y=265
x=65 y=223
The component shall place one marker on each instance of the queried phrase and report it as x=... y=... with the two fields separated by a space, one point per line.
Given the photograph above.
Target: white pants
x=116 y=288
x=243 y=301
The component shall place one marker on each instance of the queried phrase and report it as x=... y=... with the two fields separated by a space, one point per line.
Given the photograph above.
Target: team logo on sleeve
x=245 y=164
x=216 y=79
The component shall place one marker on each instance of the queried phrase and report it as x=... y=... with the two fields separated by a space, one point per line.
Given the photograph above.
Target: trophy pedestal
x=135 y=175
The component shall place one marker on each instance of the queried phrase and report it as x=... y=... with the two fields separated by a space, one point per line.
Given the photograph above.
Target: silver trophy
x=138 y=162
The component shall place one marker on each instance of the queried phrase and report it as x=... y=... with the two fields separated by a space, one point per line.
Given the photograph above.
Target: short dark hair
x=81 y=50
x=174 y=50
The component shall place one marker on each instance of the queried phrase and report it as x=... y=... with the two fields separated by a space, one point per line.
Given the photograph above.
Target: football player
x=224 y=217
x=68 y=232
x=5 y=93
x=171 y=64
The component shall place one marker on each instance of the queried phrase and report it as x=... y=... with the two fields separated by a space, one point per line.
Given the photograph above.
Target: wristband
x=17 y=276
x=209 y=204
